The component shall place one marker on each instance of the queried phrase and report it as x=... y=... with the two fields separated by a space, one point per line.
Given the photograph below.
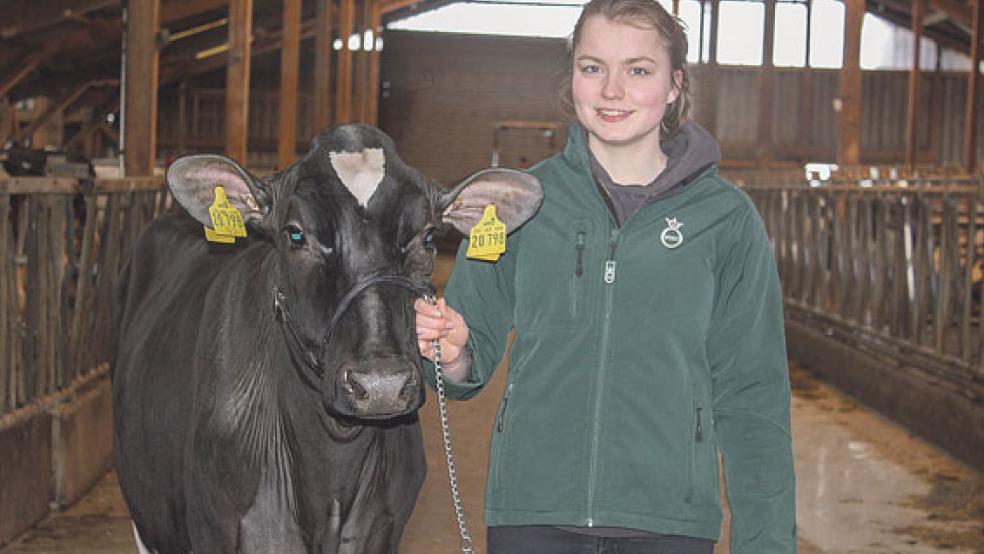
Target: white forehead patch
x=360 y=172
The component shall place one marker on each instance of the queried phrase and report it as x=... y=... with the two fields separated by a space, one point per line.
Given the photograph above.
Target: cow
x=265 y=392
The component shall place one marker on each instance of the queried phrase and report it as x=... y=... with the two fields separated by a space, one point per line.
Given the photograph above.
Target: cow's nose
x=375 y=393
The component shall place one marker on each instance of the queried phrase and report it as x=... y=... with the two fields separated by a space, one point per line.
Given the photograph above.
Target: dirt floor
x=864 y=486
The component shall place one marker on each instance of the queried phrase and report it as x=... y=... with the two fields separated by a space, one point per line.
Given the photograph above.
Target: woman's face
x=623 y=82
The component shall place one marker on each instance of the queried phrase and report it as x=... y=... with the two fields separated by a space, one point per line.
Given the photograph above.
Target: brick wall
x=443 y=94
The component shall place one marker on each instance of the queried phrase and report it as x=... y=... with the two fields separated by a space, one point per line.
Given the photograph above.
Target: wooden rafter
x=175 y=10
x=23 y=16
x=9 y=82
x=60 y=107
x=958 y=12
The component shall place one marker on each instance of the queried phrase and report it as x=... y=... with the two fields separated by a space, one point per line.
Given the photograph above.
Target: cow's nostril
x=408 y=389
x=354 y=388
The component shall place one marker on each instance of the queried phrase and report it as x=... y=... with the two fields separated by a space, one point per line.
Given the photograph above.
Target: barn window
x=790 y=35
x=739 y=36
x=827 y=34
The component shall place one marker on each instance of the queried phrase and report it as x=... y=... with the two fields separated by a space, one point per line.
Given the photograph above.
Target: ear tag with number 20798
x=487 y=239
x=227 y=222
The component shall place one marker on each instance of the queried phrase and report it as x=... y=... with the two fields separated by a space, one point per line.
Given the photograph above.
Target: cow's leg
x=219 y=490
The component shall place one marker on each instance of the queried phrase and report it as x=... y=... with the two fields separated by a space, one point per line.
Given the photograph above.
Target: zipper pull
x=610 y=265
x=699 y=435
x=579 y=268
x=502 y=416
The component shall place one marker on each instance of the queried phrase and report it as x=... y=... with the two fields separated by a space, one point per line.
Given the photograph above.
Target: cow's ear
x=193 y=180
x=516 y=194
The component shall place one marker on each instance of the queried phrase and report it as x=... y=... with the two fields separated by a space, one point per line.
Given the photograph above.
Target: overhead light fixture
x=353 y=41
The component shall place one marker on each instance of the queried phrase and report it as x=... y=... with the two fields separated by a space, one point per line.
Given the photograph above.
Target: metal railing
x=894 y=267
x=62 y=243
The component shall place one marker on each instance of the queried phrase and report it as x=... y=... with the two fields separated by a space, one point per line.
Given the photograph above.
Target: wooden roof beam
x=175 y=10
x=9 y=82
x=62 y=104
x=956 y=11
x=22 y=16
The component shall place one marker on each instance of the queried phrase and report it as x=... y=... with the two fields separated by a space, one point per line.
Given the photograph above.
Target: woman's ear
x=677 y=86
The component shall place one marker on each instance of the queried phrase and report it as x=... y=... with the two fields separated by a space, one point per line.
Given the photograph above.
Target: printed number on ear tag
x=487 y=239
x=227 y=222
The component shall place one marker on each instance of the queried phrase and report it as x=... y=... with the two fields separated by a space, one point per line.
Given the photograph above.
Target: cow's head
x=351 y=211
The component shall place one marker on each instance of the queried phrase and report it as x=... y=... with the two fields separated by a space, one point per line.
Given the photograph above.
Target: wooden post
x=289 y=60
x=912 y=113
x=322 y=66
x=343 y=79
x=676 y=10
x=363 y=59
x=973 y=77
x=372 y=88
x=805 y=135
x=237 y=78
x=849 y=139
x=140 y=103
x=767 y=83
x=711 y=77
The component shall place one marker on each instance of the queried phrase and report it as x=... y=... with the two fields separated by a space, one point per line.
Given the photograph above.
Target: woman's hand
x=440 y=322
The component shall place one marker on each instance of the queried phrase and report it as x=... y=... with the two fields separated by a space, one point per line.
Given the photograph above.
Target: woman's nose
x=612 y=87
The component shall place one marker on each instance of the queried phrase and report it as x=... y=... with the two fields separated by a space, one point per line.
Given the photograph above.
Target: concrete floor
x=864 y=485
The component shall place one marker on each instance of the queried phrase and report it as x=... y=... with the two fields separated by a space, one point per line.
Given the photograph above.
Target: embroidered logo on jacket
x=671 y=236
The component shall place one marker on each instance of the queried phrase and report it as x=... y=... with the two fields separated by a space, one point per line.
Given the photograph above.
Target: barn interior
x=861 y=151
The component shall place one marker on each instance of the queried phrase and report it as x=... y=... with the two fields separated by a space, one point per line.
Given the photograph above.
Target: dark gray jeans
x=544 y=539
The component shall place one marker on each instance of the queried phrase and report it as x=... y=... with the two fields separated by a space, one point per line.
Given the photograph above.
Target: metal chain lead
x=459 y=512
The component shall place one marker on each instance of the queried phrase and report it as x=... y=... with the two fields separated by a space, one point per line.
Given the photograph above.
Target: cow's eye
x=295 y=234
x=429 y=240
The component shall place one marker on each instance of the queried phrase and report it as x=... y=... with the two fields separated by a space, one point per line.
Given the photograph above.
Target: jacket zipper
x=500 y=425
x=698 y=437
x=505 y=407
x=609 y=277
x=579 y=266
x=575 y=289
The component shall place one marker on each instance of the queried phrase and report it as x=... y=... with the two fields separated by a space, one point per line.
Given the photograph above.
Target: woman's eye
x=590 y=69
x=639 y=71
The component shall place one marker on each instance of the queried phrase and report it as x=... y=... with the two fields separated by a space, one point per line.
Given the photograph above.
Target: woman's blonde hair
x=647 y=14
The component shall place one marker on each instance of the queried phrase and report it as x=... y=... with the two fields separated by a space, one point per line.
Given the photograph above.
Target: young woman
x=649 y=330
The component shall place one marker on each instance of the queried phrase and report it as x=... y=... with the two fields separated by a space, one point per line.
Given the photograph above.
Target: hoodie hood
x=690 y=153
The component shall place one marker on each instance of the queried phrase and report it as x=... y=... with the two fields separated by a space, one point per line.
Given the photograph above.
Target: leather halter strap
x=300 y=348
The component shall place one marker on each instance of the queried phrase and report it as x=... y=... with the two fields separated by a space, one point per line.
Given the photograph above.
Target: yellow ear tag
x=487 y=239
x=227 y=222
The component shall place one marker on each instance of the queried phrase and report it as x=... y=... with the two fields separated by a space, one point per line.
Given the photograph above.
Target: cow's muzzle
x=374 y=389
x=381 y=388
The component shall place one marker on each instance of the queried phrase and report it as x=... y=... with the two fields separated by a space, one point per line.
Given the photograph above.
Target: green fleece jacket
x=640 y=351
